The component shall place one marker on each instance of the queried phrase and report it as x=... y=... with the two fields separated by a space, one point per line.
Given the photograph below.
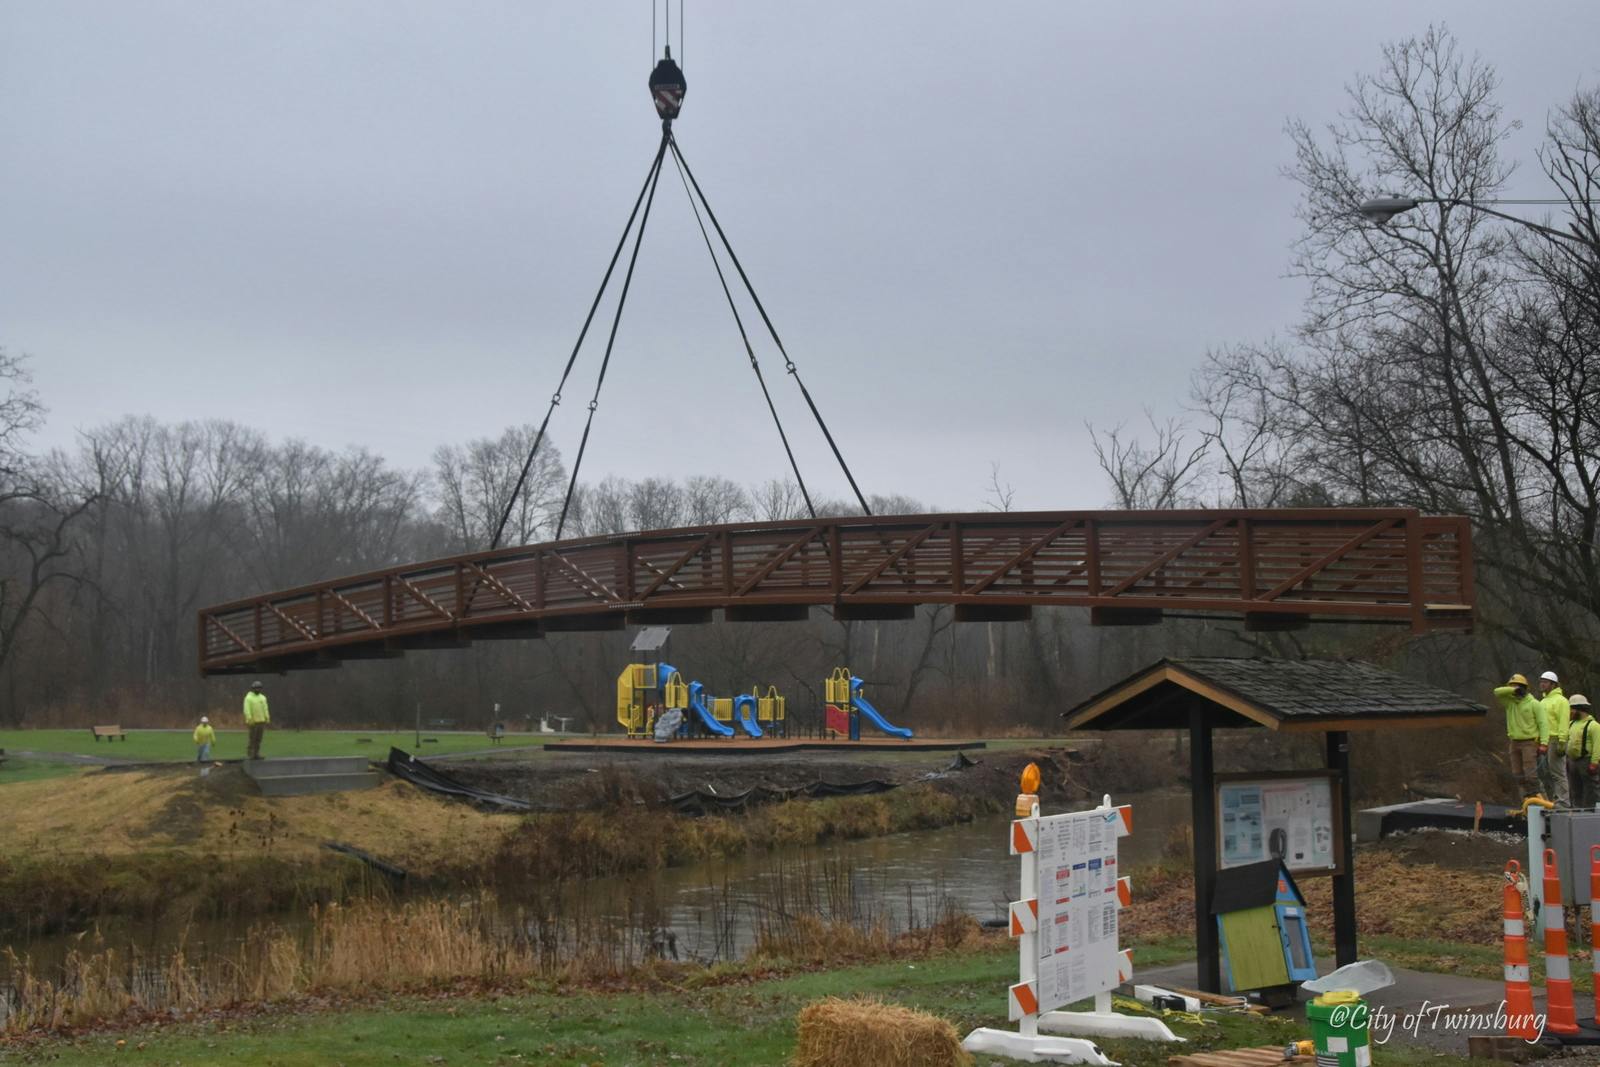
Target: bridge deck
x=1272 y=568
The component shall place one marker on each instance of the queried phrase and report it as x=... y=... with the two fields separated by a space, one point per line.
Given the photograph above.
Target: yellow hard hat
x=1517 y=679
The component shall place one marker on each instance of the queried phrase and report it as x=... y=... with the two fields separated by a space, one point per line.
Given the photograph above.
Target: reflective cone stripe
x=1024 y=1000
x=1124 y=891
x=1594 y=921
x=1024 y=836
x=1519 y=994
x=1557 y=968
x=1024 y=917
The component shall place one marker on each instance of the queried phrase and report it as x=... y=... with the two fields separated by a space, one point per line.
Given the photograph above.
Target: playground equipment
x=846 y=706
x=642 y=687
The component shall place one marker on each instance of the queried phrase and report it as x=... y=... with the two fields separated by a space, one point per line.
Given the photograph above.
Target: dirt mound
x=173 y=808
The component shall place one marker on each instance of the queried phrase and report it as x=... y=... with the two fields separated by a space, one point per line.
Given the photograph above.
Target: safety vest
x=255 y=709
x=1583 y=740
x=1522 y=716
x=1554 y=715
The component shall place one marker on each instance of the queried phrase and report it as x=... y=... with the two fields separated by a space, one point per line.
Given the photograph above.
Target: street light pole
x=1384 y=208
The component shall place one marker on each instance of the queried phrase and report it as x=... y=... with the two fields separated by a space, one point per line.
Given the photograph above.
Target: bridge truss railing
x=1270 y=567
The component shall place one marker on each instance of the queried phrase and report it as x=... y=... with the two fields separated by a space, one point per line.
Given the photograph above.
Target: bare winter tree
x=777 y=499
x=1162 y=474
x=474 y=483
x=711 y=500
x=38 y=515
x=1447 y=360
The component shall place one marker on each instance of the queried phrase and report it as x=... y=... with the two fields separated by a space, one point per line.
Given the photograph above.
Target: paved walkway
x=1410 y=1009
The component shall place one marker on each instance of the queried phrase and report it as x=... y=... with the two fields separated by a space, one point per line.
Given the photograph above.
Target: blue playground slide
x=744 y=710
x=697 y=705
x=865 y=708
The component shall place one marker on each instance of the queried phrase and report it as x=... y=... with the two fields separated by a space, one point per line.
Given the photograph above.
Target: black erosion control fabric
x=405 y=766
x=699 y=802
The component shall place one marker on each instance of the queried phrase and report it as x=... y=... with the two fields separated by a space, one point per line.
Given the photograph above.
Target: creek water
x=713 y=910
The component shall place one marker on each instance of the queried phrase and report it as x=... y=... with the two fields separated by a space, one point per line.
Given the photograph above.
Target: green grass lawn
x=27 y=770
x=230 y=744
x=741 y=1024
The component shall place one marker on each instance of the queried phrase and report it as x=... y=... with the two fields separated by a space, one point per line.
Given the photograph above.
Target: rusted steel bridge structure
x=1273 y=569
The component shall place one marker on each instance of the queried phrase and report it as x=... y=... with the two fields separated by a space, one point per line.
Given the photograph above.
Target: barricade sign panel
x=1078 y=905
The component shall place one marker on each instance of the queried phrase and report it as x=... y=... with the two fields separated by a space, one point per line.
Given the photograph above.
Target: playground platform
x=752 y=747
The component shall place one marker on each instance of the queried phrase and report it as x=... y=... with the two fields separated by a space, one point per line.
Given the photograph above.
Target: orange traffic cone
x=1519 y=994
x=1557 y=969
x=1594 y=923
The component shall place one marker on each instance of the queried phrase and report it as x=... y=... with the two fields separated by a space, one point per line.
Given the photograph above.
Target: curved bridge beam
x=1271 y=568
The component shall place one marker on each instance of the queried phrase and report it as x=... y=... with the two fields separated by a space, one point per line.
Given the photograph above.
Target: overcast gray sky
x=975 y=225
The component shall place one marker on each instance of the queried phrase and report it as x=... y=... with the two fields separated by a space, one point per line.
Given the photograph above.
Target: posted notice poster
x=1287 y=818
x=1077 y=894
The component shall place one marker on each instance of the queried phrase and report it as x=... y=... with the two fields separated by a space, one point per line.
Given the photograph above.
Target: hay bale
x=850 y=1033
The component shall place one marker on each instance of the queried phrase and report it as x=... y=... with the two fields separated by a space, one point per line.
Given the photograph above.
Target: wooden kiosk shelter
x=1326 y=697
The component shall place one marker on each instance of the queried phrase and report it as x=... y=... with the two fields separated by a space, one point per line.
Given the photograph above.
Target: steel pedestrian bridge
x=1273 y=569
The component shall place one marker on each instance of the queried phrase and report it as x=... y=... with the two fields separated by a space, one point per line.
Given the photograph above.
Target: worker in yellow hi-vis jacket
x=1583 y=753
x=1522 y=731
x=1554 y=714
x=256 y=718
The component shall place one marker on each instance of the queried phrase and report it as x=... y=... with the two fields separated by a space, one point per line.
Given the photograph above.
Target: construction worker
x=1522 y=731
x=256 y=718
x=1554 y=714
x=204 y=735
x=1583 y=753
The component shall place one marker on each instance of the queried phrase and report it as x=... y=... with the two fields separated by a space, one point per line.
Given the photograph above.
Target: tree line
x=109 y=549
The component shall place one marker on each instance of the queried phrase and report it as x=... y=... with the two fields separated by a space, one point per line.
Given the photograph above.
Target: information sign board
x=1288 y=818
x=1077 y=893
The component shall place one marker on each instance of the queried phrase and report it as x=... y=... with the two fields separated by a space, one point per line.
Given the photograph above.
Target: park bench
x=108 y=733
x=497 y=732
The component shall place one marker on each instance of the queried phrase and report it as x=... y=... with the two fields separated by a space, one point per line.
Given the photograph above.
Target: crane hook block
x=667 y=88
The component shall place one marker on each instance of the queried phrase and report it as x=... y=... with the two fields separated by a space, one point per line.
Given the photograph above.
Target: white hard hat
x=1550 y=676
x=204 y=719
x=1579 y=700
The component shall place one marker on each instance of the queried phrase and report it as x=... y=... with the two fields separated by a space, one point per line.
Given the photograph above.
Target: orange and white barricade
x=1023 y=999
x=1563 y=1018
x=1594 y=924
x=1520 y=1021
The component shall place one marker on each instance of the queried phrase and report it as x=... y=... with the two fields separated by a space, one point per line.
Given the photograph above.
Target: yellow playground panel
x=836 y=687
x=635 y=688
x=769 y=708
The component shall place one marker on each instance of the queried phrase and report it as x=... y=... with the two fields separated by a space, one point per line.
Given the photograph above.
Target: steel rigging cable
x=616 y=320
x=555 y=399
x=755 y=364
x=667 y=89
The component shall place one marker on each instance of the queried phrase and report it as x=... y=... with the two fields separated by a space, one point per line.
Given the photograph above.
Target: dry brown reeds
x=849 y=1033
x=370 y=945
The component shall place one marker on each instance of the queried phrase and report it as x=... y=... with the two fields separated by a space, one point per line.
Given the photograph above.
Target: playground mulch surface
x=762 y=747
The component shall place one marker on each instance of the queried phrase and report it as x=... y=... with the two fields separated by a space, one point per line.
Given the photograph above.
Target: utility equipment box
x=1572 y=834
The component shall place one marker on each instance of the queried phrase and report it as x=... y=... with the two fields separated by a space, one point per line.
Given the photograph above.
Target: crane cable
x=788 y=364
x=616 y=320
x=744 y=336
x=555 y=399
